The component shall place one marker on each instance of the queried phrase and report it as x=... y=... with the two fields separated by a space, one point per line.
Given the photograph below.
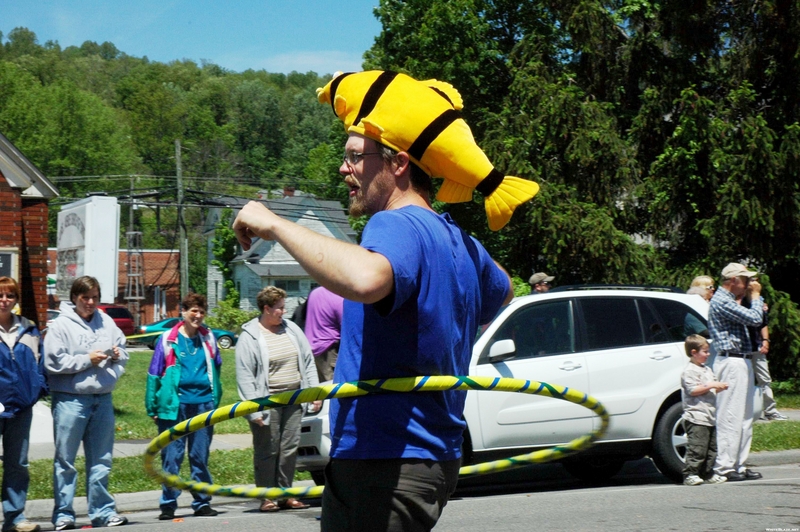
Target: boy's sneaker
x=777 y=416
x=25 y=526
x=693 y=480
x=65 y=524
x=117 y=520
x=717 y=479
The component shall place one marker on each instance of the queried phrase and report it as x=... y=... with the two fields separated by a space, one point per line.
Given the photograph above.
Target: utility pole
x=184 y=251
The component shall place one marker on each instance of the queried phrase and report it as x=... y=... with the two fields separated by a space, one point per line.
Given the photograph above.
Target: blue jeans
x=16 y=433
x=172 y=455
x=87 y=418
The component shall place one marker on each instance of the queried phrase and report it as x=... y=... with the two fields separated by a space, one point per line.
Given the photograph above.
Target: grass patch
x=132 y=422
x=790 y=400
x=775 y=436
x=127 y=474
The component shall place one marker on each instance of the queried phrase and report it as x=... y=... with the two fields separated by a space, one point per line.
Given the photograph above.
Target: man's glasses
x=352 y=157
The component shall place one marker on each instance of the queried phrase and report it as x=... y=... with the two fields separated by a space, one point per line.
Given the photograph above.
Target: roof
x=22 y=174
x=278 y=270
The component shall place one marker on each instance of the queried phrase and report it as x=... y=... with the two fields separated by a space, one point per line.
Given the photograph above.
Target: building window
x=291 y=286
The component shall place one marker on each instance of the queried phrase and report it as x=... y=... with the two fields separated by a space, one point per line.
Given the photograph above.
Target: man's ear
x=402 y=162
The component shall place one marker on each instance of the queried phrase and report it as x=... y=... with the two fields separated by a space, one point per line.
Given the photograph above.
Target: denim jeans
x=172 y=455
x=16 y=433
x=87 y=418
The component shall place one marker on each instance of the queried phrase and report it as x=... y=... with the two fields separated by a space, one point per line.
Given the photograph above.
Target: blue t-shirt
x=445 y=287
x=194 y=387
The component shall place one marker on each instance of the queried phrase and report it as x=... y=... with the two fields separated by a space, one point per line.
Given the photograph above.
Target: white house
x=267 y=262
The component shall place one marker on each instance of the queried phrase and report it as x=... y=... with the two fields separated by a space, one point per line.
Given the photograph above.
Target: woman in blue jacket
x=22 y=383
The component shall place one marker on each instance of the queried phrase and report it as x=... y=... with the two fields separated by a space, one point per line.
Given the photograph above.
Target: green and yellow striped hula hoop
x=359 y=388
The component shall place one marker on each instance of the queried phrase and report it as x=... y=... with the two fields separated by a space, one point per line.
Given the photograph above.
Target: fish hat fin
x=446 y=90
x=501 y=203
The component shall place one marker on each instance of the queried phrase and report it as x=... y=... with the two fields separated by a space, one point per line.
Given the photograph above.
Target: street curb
x=42 y=509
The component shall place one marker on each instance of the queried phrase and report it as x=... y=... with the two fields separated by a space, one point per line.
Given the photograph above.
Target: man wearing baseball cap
x=728 y=322
x=540 y=282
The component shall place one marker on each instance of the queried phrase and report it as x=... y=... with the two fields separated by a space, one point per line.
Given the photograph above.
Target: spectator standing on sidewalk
x=728 y=324
x=22 y=383
x=323 y=329
x=182 y=382
x=273 y=356
x=698 y=390
x=85 y=355
x=760 y=345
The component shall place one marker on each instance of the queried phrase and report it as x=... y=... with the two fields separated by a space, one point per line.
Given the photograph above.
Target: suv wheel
x=593 y=468
x=224 y=342
x=669 y=443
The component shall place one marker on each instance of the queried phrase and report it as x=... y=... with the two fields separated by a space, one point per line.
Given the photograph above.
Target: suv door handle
x=660 y=356
x=569 y=366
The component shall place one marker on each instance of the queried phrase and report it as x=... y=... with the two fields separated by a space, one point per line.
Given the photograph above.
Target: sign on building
x=88 y=244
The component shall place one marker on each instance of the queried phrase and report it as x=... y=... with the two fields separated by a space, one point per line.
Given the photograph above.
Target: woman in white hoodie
x=84 y=354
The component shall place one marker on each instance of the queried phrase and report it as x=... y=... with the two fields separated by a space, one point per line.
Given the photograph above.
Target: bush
x=227 y=316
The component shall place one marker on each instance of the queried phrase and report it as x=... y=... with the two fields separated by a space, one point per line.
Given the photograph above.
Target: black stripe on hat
x=334 y=86
x=443 y=95
x=429 y=134
x=374 y=94
x=490 y=183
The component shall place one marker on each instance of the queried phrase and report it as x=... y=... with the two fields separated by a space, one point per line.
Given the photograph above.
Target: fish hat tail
x=423 y=119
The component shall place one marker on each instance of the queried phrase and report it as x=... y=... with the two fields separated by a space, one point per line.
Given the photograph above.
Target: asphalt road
x=545 y=498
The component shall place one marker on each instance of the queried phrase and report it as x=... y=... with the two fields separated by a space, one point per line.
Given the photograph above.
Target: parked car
x=623 y=346
x=51 y=315
x=121 y=316
x=225 y=339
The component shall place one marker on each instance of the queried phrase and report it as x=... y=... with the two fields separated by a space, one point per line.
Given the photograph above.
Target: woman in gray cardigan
x=273 y=356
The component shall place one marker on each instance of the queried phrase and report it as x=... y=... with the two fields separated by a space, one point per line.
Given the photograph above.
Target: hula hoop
x=360 y=388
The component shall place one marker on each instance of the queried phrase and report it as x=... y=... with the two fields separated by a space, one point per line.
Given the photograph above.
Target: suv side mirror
x=502 y=350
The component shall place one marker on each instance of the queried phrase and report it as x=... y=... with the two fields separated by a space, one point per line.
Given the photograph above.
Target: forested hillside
x=665 y=136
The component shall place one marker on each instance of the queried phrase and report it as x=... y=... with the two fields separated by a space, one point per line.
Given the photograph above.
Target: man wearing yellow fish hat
x=416 y=290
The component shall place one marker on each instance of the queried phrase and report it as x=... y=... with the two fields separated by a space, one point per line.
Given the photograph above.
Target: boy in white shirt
x=698 y=390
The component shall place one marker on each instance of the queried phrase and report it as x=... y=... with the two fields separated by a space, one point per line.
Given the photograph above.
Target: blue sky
x=274 y=35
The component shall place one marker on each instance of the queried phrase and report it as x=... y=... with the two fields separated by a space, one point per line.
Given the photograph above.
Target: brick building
x=24 y=196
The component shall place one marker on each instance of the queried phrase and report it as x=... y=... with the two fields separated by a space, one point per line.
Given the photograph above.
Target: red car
x=121 y=316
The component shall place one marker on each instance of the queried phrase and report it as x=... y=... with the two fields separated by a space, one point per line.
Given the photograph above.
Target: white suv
x=622 y=345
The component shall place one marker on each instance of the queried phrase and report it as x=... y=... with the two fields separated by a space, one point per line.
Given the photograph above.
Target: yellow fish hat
x=423 y=119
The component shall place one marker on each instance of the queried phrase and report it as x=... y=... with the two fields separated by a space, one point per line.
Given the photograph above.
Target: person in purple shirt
x=323 y=329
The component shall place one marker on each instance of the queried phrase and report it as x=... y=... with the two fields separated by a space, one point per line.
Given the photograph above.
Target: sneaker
x=25 y=526
x=693 y=480
x=117 y=520
x=167 y=514
x=717 y=479
x=777 y=416
x=206 y=511
x=65 y=524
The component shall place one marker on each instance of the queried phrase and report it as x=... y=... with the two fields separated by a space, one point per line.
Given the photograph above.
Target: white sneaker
x=693 y=480
x=777 y=416
x=717 y=479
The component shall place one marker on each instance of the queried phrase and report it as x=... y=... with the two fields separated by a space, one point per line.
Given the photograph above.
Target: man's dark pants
x=392 y=495
x=701 y=450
